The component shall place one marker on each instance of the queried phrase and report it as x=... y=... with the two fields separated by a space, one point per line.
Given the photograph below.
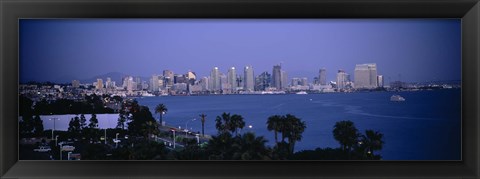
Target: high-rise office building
x=99 y=84
x=108 y=83
x=138 y=83
x=225 y=86
x=215 y=79
x=130 y=84
x=249 y=80
x=277 y=77
x=191 y=77
x=284 y=81
x=263 y=81
x=342 y=79
x=232 y=78
x=380 y=81
x=240 y=81
x=154 y=83
x=322 y=76
x=168 y=78
x=204 y=82
x=366 y=76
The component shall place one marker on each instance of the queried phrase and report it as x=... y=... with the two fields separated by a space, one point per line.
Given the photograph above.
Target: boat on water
x=302 y=92
x=397 y=98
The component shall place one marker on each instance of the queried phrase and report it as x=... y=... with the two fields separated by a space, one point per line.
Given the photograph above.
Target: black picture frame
x=467 y=10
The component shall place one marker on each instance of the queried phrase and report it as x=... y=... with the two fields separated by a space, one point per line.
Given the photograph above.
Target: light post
x=61 y=149
x=105 y=136
x=173 y=130
x=53 y=119
x=116 y=140
x=56 y=140
x=161 y=123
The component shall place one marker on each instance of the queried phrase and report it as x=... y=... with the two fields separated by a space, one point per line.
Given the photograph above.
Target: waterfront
x=427 y=126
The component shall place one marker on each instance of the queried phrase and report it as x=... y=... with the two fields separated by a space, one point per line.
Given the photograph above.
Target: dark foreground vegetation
x=144 y=138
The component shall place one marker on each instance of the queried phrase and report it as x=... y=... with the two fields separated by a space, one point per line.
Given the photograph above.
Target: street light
x=56 y=140
x=61 y=149
x=54 y=119
x=173 y=130
x=116 y=140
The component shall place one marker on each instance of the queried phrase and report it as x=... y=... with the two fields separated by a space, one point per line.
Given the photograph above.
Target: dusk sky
x=413 y=50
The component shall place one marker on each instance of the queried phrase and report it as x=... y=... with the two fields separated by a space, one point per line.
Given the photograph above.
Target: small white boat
x=302 y=92
x=397 y=98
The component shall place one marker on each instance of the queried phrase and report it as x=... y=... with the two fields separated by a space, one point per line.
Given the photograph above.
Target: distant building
x=154 y=83
x=204 y=82
x=168 y=78
x=191 y=77
x=99 y=84
x=249 y=83
x=109 y=84
x=239 y=82
x=225 y=86
x=178 y=78
x=215 y=84
x=232 y=78
x=366 y=76
x=131 y=86
x=75 y=83
x=284 y=81
x=322 y=76
x=277 y=77
x=342 y=79
x=380 y=81
x=263 y=81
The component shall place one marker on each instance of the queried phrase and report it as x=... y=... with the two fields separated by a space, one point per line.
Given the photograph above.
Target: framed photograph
x=240 y=89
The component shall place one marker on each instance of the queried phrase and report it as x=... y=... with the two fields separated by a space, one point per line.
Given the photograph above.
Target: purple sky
x=416 y=49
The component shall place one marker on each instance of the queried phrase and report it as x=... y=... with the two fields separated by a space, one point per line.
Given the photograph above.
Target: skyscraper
x=366 y=76
x=342 y=79
x=380 y=81
x=232 y=78
x=249 y=83
x=263 y=81
x=168 y=77
x=154 y=83
x=215 y=79
x=99 y=83
x=284 y=81
x=191 y=76
x=277 y=77
x=322 y=76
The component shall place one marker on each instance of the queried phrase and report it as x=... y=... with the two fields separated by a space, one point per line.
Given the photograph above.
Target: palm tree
x=222 y=123
x=346 y=134
x=236 y=123
x=203 y=116
x=372 y=140
x=273 y=123
x=250 y=147
x=295 y=127
x=229 y=123
x=162 y=109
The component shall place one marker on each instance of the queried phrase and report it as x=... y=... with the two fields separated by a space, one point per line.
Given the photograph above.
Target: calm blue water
x=427 y=126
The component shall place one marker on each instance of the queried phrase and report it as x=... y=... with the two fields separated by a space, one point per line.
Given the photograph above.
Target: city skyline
x=407 y=50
